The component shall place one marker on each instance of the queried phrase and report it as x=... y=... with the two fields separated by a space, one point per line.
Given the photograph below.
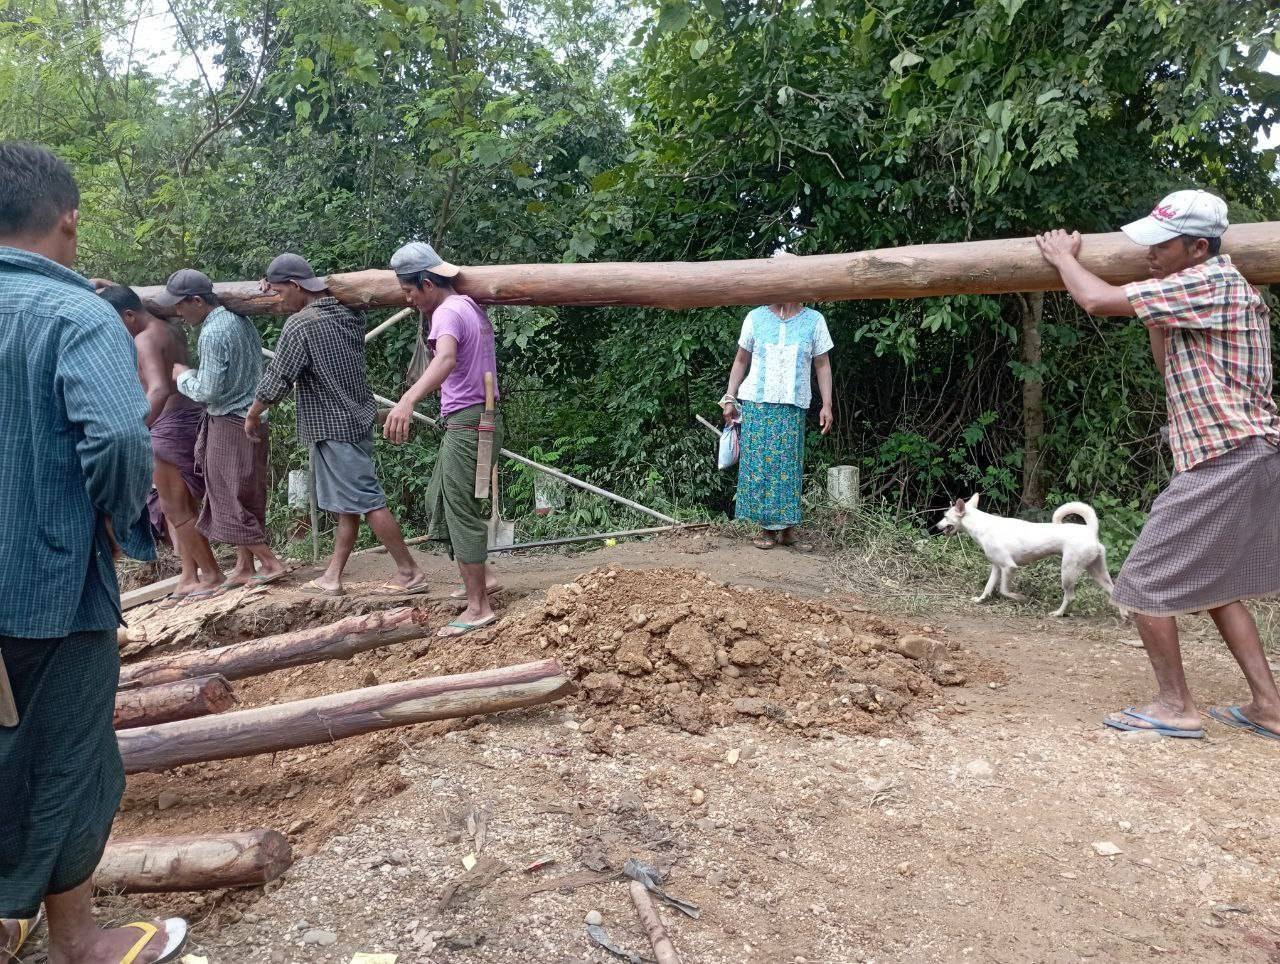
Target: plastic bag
x=730 y=445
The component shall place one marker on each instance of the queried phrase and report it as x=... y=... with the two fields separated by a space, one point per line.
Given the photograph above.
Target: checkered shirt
x=1218 y=358
x=321 y=351
x=74 y=451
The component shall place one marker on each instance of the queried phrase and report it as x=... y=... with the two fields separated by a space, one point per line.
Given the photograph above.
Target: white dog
x=1010 y=543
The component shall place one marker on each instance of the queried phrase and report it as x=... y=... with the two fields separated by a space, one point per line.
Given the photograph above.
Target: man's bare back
x=160 y=346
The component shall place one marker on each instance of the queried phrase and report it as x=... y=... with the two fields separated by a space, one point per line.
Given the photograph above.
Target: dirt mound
x=675 y=645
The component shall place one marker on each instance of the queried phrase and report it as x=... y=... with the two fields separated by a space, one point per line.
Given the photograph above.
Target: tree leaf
x=699 y=48
x=904 y=60
x=1047 y=96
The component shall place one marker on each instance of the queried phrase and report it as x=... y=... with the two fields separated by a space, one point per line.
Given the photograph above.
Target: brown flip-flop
x=313 y=588
x=413 y=589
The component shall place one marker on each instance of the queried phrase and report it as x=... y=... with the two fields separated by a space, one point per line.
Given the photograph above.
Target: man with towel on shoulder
x=234 y=466
x=462 y=345
x=1212 y=538
x=174 y=422
x=321 y=352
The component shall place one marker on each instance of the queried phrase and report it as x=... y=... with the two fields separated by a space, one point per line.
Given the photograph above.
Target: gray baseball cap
x=296 y=268
x=184 y=283
x=1197 y=214
x=419 y=256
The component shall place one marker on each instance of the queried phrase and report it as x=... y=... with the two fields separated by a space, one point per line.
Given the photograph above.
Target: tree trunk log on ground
x=181 y=700
x=162 y=864
x=339 y=640
x=914 y=271
x=269 y=729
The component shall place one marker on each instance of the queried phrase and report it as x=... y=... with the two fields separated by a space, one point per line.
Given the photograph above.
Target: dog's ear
x=959 y=506
x=973 y=500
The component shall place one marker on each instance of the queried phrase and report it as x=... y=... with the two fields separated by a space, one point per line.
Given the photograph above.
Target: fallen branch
x=340 y=640
x=181 y=700
x=269 y=729
x=663 y=949
x=162 y=864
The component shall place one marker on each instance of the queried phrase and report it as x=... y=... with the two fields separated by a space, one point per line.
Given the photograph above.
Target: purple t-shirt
x=469 y=325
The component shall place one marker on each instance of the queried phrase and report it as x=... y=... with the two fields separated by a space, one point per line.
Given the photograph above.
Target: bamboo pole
x=152 y=865
x=398 y=316
x=914 y=271
x=597 y=536
x=663 y=950
x=546 y=469
x=254 y=657
x=270 y=729
x=179 y=700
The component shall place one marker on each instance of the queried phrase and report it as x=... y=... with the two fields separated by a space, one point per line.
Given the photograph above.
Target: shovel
x=502 y=533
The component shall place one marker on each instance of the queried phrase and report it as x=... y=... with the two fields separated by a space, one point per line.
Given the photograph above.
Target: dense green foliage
x=548 y=130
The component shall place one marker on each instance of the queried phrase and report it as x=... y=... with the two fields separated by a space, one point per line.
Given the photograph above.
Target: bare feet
x=766 y=540
x=491 y=587
x=1186 y=718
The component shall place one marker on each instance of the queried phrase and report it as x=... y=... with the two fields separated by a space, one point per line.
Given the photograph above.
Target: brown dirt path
x=968 y=835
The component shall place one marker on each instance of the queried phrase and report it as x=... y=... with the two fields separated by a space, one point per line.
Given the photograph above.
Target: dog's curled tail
x=1083 y=511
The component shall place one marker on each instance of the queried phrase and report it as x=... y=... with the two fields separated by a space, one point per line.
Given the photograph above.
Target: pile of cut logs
x=172 y=710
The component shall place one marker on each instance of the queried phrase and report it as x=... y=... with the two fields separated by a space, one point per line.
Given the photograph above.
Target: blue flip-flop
x=1234 y=718
x=1176 y=732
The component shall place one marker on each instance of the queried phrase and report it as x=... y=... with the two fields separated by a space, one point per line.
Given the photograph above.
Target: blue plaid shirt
x=74 y=451
x=230 y=350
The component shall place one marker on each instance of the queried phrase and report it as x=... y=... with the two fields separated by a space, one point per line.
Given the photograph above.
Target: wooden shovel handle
x=488 y=391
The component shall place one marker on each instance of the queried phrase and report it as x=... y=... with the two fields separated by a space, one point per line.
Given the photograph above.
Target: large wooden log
x=181 y=700
x=269 y=729
x=914 y=271
x=314 y=644
x=143 y=865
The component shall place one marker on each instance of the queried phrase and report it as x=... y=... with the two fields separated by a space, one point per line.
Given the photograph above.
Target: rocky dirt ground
x=825 y=780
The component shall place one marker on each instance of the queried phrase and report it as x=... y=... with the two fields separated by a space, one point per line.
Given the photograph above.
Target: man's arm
x=97 y=379
x=154 y=372
x=396 y=427
x=1090 y=292
x=206 y=384
x=281 y=374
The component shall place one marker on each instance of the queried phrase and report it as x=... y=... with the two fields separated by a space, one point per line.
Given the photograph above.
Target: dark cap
x=296 y=268
x=186 y=283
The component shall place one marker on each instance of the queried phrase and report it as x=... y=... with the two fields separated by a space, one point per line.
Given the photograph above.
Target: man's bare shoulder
x=162 y=339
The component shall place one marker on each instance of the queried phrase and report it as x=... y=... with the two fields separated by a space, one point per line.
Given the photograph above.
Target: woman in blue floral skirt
x=769 y=388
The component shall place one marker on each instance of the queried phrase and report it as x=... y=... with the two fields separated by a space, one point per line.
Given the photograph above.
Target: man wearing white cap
x=1212 y=538
x=461 y=340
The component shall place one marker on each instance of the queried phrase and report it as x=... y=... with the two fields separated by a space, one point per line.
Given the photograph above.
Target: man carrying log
x=321 y=352
x=234 y=466
x=74 y=458
x=1213 y=536
x=174 y=421
x=464 y=359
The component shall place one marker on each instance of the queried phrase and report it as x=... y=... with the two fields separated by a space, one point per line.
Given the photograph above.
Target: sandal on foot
x=416 y=588
x=262 y=579
x=1231 y=716
x=25 y=929
x=314 y=588
x=765 y=543
x=175 y=934
x=1164 y=729
x=171 y=601
x=201 y=594
x=464 y=627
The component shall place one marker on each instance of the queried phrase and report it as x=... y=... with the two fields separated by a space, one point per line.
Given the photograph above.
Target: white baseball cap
x=1198 y=214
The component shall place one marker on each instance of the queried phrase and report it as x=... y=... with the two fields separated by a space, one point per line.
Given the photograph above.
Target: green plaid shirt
x=74 y=451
